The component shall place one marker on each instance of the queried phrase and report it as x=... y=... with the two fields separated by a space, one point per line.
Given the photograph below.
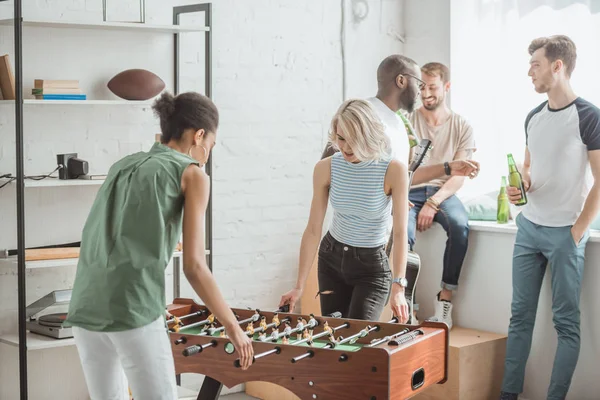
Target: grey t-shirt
x=558 y=143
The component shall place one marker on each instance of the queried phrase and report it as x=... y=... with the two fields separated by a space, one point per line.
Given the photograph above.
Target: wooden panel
x=51 y=254
x=428 y=353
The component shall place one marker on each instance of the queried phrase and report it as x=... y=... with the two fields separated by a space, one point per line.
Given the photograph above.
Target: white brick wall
x=277 y=82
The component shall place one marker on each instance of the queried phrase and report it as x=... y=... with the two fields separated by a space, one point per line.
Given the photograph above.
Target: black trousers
x=355 y=281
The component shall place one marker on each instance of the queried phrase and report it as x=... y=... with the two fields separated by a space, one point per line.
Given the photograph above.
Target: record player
x=50 y=325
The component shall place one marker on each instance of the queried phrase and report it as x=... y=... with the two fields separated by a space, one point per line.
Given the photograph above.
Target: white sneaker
x=443 y=312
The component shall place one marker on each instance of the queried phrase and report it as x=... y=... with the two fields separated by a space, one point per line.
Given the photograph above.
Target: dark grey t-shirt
x=558 y=142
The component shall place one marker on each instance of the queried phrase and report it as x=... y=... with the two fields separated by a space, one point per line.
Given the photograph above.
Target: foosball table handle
x=237 y=363
x=190 y=351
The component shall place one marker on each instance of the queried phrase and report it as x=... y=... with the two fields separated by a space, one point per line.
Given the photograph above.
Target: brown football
x=136 y=84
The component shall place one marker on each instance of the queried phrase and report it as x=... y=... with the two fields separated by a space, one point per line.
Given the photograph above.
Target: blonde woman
x=363 y=181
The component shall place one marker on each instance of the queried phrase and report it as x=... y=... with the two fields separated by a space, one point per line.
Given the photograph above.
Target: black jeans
x=355 y=281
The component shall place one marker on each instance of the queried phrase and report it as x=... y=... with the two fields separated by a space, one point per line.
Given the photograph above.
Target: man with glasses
x=435 y=200
x=399 y=84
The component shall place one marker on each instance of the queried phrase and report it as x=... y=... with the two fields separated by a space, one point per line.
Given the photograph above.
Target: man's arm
x=426 y=173
x=592 y=202
x=453 y=184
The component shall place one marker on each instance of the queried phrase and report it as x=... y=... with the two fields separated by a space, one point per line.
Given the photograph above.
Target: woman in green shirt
x=117 y=309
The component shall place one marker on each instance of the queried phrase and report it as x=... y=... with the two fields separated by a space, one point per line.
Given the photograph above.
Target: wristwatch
x=447 y=168
x=401 y=281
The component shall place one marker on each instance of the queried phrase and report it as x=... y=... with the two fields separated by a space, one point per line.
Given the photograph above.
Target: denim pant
x=355 y=281
x=453 y=217
x=535 y=246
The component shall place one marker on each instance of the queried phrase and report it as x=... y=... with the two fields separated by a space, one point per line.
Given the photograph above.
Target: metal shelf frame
x=19 y=102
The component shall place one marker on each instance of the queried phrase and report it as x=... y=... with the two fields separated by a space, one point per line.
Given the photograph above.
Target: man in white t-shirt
x=560 y=176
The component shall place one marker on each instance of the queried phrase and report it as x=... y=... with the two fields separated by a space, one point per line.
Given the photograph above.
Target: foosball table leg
x=210 y=390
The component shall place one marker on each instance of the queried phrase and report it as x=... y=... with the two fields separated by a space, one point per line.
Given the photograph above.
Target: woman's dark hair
x=188 y=110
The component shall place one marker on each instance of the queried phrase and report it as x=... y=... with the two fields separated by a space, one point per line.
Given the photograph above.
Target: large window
x=489 y=64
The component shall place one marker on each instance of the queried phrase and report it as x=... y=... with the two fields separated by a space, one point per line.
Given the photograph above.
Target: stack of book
x=45 y=89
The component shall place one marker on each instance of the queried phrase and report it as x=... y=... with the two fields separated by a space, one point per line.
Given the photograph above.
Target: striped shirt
x=361 y=209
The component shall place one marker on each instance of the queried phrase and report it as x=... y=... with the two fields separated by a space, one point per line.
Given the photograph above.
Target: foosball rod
x=275 y=350
x=271 y=325
x=389 y=337
x=311 y=353
x=255 y=318
x=309 y=325
x=174 y=318
x=358 y=335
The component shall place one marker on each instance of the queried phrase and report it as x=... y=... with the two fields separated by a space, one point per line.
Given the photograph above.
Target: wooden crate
x=269 y=391
x=475 y=367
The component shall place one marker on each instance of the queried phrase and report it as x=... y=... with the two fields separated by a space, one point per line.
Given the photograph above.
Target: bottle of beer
x=503 y=204
x=412 y=137
x=516 y=180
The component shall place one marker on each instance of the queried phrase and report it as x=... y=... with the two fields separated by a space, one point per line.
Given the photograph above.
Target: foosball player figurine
x=332 y=339
x=256 y=315
x=308 y=336
x=250 y=329
x=312 y=320
x=263 y=323
x=285 y=339
x=288 y=328
x=211 y=318
x=299 y=328
x=327 y=328
x=262 y=336
x=222 y=334
x=276 y=319
x=274 y=334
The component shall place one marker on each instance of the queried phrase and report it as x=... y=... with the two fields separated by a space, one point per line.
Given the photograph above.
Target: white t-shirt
x=558 y=143
x=394 y=129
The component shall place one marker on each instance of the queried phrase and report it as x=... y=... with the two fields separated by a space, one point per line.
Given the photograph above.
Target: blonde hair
x=361 y=129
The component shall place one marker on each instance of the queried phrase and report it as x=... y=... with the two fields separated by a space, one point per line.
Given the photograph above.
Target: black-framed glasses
x=421 y=83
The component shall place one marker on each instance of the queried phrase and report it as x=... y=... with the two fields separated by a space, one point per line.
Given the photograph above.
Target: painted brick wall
x=277 y=82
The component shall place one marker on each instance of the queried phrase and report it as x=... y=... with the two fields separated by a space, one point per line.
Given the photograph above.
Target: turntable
x=49 y=324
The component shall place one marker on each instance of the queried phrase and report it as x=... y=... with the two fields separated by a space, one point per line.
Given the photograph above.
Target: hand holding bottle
x=514 y=194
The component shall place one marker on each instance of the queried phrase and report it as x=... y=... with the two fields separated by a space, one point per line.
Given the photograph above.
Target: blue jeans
x=453 y=217
x=535 y=246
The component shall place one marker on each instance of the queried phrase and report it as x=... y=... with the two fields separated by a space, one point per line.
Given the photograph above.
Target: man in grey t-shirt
x=560 y=174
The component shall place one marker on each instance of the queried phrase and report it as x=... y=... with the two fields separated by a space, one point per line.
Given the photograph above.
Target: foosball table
x=314 y=357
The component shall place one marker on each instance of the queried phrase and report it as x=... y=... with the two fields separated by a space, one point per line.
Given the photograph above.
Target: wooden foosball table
x=314 y=357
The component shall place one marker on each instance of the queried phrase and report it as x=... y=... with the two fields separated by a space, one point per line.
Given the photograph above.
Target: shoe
x=509 y=396
x=443 y=312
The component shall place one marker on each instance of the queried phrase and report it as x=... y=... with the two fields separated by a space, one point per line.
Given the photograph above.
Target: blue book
x=61 y=97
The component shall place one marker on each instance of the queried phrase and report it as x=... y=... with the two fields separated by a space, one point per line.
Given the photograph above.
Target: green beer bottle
x=412 y=137
x=516 y=180
x=503 y=204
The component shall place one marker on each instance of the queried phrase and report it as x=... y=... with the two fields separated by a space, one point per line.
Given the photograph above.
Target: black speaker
x=77 y=167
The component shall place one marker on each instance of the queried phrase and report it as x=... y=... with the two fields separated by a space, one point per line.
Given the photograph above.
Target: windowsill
x=511 y=227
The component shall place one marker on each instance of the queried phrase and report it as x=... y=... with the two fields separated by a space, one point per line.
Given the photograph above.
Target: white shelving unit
x=11 y=262
x=36 y=342
x=111 y=26
x=36 y=102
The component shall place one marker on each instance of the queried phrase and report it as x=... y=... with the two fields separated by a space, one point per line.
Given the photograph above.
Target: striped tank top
x=361 y=209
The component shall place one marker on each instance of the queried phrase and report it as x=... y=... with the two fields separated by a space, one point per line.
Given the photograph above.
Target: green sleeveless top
x=128 y=240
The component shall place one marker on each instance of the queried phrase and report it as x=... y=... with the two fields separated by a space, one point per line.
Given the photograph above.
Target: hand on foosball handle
x=237 y=363
x=243 y=346
x=290 y=298
x=398 y=304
